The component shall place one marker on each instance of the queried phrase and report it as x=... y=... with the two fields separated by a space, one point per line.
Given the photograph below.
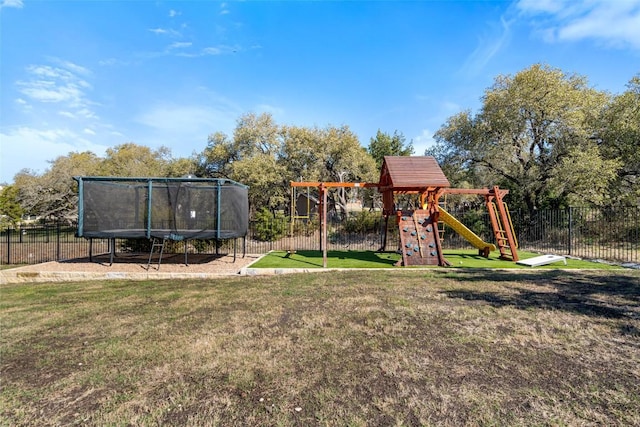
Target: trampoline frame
x=148 y=232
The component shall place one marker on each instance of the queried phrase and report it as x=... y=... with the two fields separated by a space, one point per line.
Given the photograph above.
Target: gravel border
x=130 y=267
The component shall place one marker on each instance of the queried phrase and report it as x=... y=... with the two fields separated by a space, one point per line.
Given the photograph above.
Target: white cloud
x=108 y=62
x=450 y=107
x=607 y=22
x=489 y=45
x=546 y=6
x=80 y=114
x=210 y=51
x=89 y=131
x=164 y=31
x=30 y=148
x=47 y=71
x=18 y=4
x=181 y=119
x=173 y=13
x=184 y=128
x=48 y=91
x=62 y=85
x=423 y=141
x=73 y=68
x=271 y=109
x=180 y=45
x=86 y=113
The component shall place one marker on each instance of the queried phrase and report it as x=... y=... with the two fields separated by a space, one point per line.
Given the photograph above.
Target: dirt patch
x=130 y=266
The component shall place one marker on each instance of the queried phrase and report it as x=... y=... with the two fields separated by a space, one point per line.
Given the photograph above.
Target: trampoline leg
x=90 y=249
x=235 y=246
x=244 y=246
x=112 y=243
x=185 y=254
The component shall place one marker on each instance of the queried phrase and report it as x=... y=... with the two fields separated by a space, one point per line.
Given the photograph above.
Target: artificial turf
x=368 y=259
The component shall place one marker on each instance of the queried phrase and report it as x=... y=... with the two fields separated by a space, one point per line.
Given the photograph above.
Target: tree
x=216 y=159
x=10 y=209
x=266 y=157
x=459 y=131
x=386 y=145
x=133 y=160
x=54 y=194
x=179 y=167
x=249 y=158
x=533 y=135
x=299 y=153
x=620 y=140
x=341 y=158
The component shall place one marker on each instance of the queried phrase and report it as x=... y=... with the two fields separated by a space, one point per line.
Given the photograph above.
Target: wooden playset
x=420 y=241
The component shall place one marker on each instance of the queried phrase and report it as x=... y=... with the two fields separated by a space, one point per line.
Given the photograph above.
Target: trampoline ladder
x=156 y=243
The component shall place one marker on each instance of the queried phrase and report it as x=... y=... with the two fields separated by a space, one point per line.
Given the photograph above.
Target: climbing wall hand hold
x=404 y=218
x=409 y=253
x=416 y=249
x=408 y=245
x=432 y=245
x=433 y=253
x=413 y=233
x=423 y=236
x=405 y=229
x=429 y=228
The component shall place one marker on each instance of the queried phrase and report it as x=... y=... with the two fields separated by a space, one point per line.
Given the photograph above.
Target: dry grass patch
x=348 y=348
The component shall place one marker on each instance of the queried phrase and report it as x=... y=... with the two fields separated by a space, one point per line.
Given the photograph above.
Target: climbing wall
x=418 y=235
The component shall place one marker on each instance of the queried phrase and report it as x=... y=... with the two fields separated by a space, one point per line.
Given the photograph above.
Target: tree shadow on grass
x=315 y=257
x=603 y=294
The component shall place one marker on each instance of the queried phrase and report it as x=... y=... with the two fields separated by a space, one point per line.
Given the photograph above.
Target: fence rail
x=607 y=234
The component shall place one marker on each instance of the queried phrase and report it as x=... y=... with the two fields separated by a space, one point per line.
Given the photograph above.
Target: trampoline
x=161 y=209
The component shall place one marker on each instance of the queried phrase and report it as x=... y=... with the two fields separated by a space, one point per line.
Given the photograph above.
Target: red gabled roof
x=415 y=173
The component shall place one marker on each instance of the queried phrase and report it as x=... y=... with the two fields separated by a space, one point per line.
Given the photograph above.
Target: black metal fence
x=608 y=234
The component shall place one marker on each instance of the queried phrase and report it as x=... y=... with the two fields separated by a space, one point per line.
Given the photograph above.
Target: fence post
x=8 y=246
x=570 y=230
x=58 y=241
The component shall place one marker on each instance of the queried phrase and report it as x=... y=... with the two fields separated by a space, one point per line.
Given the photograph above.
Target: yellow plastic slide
x=462 y=230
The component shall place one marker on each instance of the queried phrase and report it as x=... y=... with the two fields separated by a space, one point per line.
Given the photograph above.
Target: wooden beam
x=334 y=184
x=478 y=191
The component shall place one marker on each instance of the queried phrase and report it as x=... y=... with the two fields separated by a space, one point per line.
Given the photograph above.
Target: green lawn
x=365 y=259
x=401 y=347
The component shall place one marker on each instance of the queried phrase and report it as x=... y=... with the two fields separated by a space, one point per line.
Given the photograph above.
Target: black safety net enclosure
x=161 y=208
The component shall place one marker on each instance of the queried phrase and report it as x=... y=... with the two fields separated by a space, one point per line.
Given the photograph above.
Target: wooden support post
x=384 y=235
x=505 y=220
x=323 y=232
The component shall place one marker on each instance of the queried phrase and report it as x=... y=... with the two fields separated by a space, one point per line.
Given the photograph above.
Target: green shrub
x=362 y=222
x=306 y=228
x=269 y=227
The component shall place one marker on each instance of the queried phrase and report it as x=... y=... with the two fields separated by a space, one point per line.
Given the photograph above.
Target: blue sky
x=88 y=75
